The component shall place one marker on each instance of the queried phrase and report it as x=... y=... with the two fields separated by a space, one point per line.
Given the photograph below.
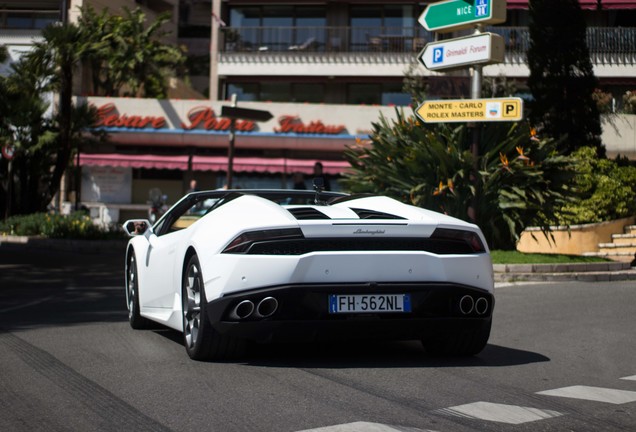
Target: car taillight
x=471 y=238
x=243 y=242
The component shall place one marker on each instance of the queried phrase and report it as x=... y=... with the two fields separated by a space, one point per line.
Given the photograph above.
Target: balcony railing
x=607 y=45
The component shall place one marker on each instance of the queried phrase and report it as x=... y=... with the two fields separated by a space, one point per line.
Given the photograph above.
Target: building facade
x=326 y=70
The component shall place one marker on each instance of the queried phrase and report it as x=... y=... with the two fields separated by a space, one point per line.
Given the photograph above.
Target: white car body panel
x=161 y=258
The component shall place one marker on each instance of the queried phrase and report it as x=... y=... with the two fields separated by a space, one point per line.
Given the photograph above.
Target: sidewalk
x=590 y=272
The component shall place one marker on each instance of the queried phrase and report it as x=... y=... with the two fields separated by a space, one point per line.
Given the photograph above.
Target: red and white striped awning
x=212 y=163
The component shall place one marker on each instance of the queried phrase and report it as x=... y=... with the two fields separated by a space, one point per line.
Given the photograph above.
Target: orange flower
x=521 y=155
x=439 y=190
x=504 y=161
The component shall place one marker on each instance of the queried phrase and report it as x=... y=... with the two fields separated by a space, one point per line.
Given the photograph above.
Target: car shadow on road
x=358 y=354
x=365 y=354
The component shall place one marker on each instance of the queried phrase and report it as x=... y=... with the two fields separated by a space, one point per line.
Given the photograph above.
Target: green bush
x=520 y=180
x=75 y=226
x=607 y=188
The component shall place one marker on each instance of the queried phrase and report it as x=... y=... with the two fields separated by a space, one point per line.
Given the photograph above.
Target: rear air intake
x=307 y=213
x=372 y=214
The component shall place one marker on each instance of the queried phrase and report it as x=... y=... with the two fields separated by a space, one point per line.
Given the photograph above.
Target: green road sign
x=451 y=15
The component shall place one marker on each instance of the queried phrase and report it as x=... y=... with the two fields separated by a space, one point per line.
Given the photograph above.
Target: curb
x=584 y=272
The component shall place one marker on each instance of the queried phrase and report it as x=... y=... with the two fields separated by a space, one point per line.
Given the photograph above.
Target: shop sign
x=206 y=118
x=108 y=116
x=203 y=117
x=292 y=124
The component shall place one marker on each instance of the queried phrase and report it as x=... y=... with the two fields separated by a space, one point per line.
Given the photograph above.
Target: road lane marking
x=597 y=394
x=510 y=414
x=365 y=427
x=631 y=378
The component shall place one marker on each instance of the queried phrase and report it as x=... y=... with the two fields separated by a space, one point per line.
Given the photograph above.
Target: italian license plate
x=369 y=303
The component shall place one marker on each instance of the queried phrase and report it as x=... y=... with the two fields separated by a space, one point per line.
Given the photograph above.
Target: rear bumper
x=303 y=313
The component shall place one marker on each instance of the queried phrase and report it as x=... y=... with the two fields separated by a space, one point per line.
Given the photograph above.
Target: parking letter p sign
x=511 y=109
x=438 y=55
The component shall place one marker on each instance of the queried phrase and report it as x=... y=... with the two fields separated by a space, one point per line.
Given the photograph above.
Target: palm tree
x=127 y=55
x=61 y=52
x=42 y=139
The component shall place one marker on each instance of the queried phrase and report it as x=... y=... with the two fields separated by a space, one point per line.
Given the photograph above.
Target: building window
x=29 y=20
x=382 y=27
x=279 y=27
x=277 y=91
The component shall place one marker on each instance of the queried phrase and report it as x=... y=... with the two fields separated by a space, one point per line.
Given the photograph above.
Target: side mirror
x=135 y=227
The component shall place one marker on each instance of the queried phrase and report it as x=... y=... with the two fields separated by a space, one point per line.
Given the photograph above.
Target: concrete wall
x=578 y=240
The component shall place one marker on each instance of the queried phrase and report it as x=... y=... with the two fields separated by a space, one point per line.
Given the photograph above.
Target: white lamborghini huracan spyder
x=230 y=266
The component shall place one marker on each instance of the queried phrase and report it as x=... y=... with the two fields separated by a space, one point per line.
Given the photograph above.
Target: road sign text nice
x=451 y=15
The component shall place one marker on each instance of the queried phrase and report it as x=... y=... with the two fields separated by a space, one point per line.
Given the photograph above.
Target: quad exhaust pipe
x=266 y=307
x=468 y=305
x=246 y=309
x=242 y=310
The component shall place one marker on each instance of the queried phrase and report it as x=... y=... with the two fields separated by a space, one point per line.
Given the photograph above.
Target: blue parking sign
x=438 y=54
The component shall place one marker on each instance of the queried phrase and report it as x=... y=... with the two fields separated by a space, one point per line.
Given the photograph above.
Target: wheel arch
x=130 y=250
x=190 y=252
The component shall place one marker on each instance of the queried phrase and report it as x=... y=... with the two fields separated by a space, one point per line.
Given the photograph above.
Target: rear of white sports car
x=360 y=268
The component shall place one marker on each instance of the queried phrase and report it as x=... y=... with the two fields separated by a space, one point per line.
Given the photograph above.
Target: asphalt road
x=562 y=357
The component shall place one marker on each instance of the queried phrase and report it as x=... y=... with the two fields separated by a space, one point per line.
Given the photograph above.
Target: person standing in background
x=193 y=186
x=318 y=173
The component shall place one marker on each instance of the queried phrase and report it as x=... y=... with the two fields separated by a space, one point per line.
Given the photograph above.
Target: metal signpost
x=452 y=15
x=235 y=113
x=484 y=48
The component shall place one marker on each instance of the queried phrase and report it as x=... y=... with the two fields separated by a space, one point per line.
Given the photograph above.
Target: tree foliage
x=520 y=179
x=607 y=189
x=129 y=58
x=127 y=55
x=43 y=138
x=562 y=80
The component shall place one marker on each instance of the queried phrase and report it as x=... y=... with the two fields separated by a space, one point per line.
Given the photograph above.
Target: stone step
x=624 y=238
x=617 y=246
x=614 y=255
x=630 y=229
x=617 y=252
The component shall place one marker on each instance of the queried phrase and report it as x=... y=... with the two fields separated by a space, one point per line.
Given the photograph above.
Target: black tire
x=201 y=340
x=132 y=296
x=462 y=343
